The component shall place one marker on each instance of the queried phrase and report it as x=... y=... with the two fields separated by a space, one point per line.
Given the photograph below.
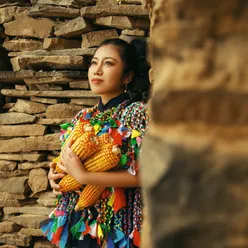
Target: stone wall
x=45 y=48
x=196 y=146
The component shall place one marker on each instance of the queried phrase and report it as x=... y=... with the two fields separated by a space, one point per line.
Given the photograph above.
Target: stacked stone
x=49 y=44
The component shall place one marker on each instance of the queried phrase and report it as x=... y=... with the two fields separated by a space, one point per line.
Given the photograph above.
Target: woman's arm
x=109 y=179
x=73 y=166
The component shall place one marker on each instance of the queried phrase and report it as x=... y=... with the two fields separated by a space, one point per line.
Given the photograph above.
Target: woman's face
x=106 y=72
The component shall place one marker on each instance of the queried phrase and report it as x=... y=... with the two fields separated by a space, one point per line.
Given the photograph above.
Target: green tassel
x=64 y=126
x=75 y=228
x=123 y=159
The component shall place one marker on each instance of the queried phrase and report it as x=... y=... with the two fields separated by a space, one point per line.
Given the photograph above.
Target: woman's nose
x=98 y=70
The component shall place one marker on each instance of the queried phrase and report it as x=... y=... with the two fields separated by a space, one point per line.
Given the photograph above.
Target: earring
x=125 y=90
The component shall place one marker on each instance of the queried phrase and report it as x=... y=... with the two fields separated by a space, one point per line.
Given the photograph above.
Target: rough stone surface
x=26 y=26
x=95 y=38
x=59 y=43
x=85 y=102
x=29 y=107
x=16 y=118
x=114 y=10
x=22 y=130
x=123 y=22
x=7 y=14
x=8 y=227
x=20 y=87
x=6 y=165
x=129 y=38
x=32 y=209
x=10 y=76
x=13 y=196
x=32 y=232
x=39 y=143
x=47 y=199
x=16 y=239
x=29 y=220
x=43 y=100
x=23 y=157
x=53 y=11
x=38 y=180
x=134 y=32
x=73 y=28
x=45 y=87
x=35 y=165
x=48 y=62
x=22 y=45
x=67 y=3
x=59 y=94
x=63 y=52
x=15 y=173
x=14 y=185
x=79 y=84
x=53 y=121
x=43 y=244
x=62 y=110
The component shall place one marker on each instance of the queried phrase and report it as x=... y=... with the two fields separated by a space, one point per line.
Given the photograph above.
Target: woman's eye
x=93 y=62
x=108 y=63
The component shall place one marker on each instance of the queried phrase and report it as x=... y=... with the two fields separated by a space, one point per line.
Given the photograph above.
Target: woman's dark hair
x=134 y=56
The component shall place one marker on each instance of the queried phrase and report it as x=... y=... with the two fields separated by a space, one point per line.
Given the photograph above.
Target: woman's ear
x=129 y=77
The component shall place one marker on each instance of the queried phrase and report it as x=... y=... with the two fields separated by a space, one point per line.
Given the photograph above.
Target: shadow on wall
x=5 y=64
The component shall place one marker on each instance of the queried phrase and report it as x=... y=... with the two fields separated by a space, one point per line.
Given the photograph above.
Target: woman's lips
x=96 y=80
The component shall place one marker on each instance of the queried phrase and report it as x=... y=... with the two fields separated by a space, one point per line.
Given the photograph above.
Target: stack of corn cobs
x=97 y=153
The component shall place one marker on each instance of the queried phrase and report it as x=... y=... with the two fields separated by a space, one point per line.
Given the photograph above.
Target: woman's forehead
x=108 y=51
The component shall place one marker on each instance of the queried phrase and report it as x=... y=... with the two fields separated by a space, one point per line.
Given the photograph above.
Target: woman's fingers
x=55 y=192
x=62 y=167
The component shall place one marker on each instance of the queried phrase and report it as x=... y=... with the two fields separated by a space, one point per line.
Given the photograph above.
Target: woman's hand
x=52 y=177
x=72 y=164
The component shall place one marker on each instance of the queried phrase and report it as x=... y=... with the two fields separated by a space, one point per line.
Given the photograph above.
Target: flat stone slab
x=24 y=157
x=37 y=143
x=134 y=32
x=16 y=118
x=38 y=180
x=8 y=13
x=53 y=11
x=48 y=62
x=32 y=232
x=30 y=209
x=9 y=227
x=29 y=27
x=14 y=185
x=53 y=121
x=79 y=84
x=66 y=3
x=44 y=100
x=22 y=130
x=29 y=107
x=16 y=239
x=12 y=77
x=15 y=173
x=62 y=110
x=95 y=38
x=22 y=45
x=44 y=244
x=6 y=165
x=114 y=10
x=35 y=165
x=85 y=102
x=29 y=220
x=47 y=199
x=59 y=94
x=60 y=43
x=63 y=52
x=73 y=28
x=123 y=22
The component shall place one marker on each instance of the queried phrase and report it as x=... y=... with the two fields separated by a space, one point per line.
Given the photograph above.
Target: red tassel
x=56 y=236
x=136 y=238
x=120 y=199
x=87 y=228
x=116 y=136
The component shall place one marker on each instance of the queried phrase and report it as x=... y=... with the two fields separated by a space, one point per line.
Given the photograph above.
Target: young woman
x=119 y=75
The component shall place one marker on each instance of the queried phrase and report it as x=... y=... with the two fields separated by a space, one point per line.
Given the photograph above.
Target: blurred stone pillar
x=195 y=155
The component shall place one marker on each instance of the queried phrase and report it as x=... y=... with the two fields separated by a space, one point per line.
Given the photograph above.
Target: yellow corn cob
x=68 y=183
x=104 y=139
x=103 y=160
x=86 y=145
x=79 y=129
x=89 y=196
